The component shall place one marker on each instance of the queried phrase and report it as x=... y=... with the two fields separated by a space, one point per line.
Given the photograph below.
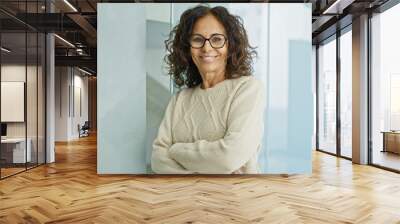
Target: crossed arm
x=223 y=156
x=161 y=162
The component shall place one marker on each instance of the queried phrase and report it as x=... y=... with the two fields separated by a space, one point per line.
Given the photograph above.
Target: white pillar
x=50 y=85
x=50 y=93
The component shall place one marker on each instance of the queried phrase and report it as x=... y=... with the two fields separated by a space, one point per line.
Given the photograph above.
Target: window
x=346 y=93
x=385 y=89
x=327 y=96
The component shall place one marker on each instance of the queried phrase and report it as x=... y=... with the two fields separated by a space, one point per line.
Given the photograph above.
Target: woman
x=215 y=125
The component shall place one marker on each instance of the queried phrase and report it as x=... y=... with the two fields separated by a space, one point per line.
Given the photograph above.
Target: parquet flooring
x=10 y=171
x=70 y=191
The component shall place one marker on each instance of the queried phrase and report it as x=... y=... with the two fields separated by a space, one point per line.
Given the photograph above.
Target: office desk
x=391 y=141
x=15 y=148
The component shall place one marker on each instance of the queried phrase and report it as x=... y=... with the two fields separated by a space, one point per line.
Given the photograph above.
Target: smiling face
x=207 y=59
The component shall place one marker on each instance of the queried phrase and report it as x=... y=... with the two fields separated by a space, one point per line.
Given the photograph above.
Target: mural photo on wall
x=205 y=90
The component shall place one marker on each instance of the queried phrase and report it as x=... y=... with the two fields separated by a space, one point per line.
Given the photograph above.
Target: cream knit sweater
x=212 y=131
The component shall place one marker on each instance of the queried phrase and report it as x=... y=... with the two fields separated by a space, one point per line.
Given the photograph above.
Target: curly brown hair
x=179 y=61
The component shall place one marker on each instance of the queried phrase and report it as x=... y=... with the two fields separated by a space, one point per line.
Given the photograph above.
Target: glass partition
x=14 y=153
x=346 y=93
x=41 y=106
x=327 y=96
x=22 y=90
x=31 y=100
x=385 y=89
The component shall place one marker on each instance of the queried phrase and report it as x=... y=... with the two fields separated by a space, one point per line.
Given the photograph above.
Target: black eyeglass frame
x=208 y=39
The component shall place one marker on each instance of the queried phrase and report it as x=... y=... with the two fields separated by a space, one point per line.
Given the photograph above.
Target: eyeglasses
x=216 y=41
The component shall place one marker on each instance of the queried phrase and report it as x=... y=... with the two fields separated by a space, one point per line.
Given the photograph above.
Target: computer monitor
x=3 y=129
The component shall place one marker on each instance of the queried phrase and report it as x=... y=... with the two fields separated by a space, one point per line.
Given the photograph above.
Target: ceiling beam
x=337 y=6
x=85 y=25
x=85 y=61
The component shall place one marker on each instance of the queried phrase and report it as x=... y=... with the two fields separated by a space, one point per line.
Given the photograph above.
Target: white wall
x=61 y=103
x=33 y=126
x=68 y=81
x=79 y=117
x=15 y=72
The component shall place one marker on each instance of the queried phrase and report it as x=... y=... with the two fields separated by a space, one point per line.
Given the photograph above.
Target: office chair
x=84 y=130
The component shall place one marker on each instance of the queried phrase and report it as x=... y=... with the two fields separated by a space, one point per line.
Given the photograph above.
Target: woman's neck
x=211 y=79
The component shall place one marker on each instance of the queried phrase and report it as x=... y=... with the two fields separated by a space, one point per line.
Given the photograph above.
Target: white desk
x=19 y=149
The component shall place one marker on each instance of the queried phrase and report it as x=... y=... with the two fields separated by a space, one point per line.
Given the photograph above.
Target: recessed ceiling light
x=70 y=5
x=84 y=71
x=64 y=40
x=5 y=50
x=337 y=7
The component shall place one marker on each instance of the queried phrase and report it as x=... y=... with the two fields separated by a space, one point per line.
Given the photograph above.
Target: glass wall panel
x=327 y=96
x=385 y=83
x=31 y=97
x=346 y=93
x=41 y=98
x=32 y=84
x=314 y=91
x=22 y=90
x=14 y=153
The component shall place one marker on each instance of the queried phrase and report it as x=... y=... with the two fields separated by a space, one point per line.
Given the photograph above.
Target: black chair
x=84 y=130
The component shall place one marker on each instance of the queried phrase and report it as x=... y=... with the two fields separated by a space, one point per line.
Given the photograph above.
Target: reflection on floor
x=10 y=171
x=346 y=152
x=386 y=159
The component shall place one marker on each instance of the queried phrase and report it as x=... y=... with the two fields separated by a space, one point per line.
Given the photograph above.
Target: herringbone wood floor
x=70 y=191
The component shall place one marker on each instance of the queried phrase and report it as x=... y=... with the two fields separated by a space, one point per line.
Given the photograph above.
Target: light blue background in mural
x=133 y=87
